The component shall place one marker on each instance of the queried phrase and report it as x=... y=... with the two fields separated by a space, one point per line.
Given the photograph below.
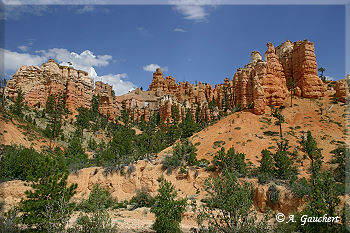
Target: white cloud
x=16 y=11
x=192 y=12
x=14 y=60
x=120 y=86
x=330 y=78
x=153 y=67
x=83 y=61
x=179 y=30
x=86 y=9
x=23 y=48
x=193 y=9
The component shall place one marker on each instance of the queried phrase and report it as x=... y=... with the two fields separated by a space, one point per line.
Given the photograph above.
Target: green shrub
x=76 y=156
x=183 y=152
x=273 y=194
x=8 y=221
x=19 y=163
x=203 y=163
x=301 y=188
x=218 y=144
x=47 y=205
x=228 y=207
x=172 y=161
x=167 y=209
x=92 y=144
x=230 y=161
x=99 y=221
x=271 y=133
x=99 y=198
x=142 y=198
x=266 y=163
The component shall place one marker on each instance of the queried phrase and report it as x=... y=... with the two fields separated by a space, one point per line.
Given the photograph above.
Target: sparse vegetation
x=218 y=144
x=228 y=207
x=167 y=209
x=142 y=198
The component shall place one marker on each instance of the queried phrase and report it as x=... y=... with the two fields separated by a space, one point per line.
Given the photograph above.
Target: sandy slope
x=243 y=131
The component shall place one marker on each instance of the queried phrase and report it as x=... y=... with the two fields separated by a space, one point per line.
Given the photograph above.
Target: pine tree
x=47 y=205
x=82 y=120
x=17 y=107
x=228 y=207
x=291 y=86
x=54 y=110
x=167 y=209
x=314 y=153
x=3 y=83
x=277 y=113
x=266 y=163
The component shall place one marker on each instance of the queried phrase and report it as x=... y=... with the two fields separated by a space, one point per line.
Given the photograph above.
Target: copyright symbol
x=280 y=217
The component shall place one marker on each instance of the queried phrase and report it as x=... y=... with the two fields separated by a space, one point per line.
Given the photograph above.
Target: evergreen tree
x=277 y=113
x=188 y=125
x=75 y=155
x=175 y=113
x=17 y=107
x=322 y=70
x=266 y=163
x=341 y=158
x=54 y=110
x=314 y=153
x=230 y=161
x=3 y=83
x=167 y=209
x=82 y=120
x=47 y=205
x=198 y=114
x=124 y=114
x=94 y=106
x=212 y=105
x=229 y=206
x=283 y=165
x=291 y=86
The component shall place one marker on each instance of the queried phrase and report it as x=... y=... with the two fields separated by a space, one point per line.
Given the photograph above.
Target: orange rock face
x=107 y=104
x=342 y=89
x=38 y=83
x=259 y=84
x=299 y=61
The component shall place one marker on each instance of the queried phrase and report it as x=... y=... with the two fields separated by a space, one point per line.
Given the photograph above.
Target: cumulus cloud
x=179 y=30
x=153 y=67
x=86 y=61
x=16 y=11
x=83 y=61
x=193 y=9
x=86 y=9
x=14 y=60
x=120 y=86
x=23 y=48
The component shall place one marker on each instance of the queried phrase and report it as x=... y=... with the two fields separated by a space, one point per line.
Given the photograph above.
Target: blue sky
x=196 y=43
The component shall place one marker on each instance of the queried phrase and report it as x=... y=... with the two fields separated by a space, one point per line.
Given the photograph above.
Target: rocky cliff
x=51 y=78
x=259 y=84
x=342 y=89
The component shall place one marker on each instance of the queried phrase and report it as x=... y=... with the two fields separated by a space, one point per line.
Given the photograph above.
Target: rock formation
x=107 y=103
x=259 y=84
x=51 y=78
x=342 y=89
x=299 y=61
